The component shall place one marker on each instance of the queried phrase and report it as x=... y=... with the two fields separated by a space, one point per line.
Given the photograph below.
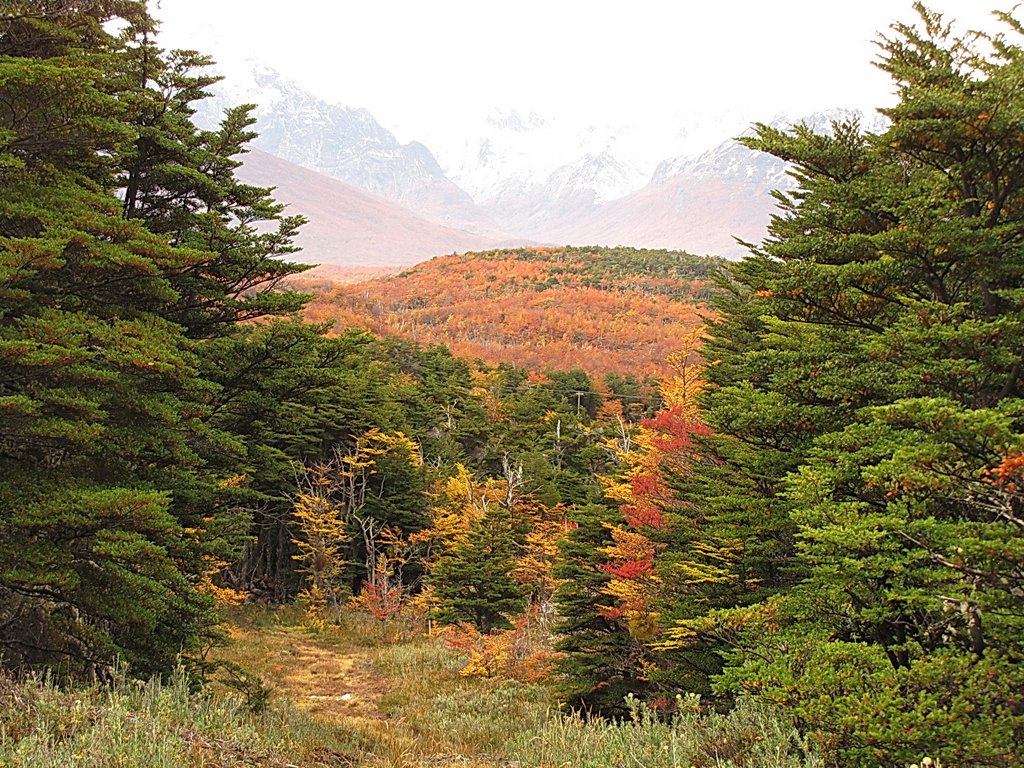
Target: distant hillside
x=702 y=203
x=601 y=309
x=351 y=227
x=706 y=215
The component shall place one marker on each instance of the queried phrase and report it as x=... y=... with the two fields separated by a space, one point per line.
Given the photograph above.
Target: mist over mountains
x=510 y=179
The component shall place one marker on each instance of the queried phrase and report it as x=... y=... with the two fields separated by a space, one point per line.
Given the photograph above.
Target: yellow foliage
x=461 y=501
x=725 y=626
x=714 y=565
x=682 y=388
x=323 y=535
x=235 y=481
x=222 y=596
x=540 y=552
x=317 y=606
x=521 y=653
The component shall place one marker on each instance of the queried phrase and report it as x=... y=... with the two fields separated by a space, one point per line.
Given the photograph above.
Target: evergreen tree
x=92 y=378
x=291 y=396
x=473 y=582
x=119 y=496
x=602 y=662
x=867 y=395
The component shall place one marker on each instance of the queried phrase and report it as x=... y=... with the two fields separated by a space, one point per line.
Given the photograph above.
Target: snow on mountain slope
x=510 y=151
x=533 y=175
x=701 y=204
x=732 y=161
x=644 y=184
x=345 y=143
x=506 y=150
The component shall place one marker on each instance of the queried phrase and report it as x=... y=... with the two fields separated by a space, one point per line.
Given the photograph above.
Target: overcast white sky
x=435 y=63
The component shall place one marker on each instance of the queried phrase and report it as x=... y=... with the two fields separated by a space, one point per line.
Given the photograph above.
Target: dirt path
x=328 y=680
x=333 y=679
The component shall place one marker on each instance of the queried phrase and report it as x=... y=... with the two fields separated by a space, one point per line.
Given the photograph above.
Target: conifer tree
x=866 y=391
x=601 y=661
x=473 y=582
x=119 y=493
x=94 y=380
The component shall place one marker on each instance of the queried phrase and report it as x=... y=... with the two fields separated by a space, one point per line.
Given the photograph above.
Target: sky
x=427 y=67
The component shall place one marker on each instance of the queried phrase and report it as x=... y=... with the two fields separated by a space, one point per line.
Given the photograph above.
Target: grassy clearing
x=490 y=723
x=157 y=725
x=448 y=716
x=747 y=736
x=342 y=699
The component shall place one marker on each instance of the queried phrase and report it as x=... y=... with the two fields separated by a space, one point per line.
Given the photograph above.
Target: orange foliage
x=634 y=583
x=521 y=653
x=662 y=445
x=544 y=312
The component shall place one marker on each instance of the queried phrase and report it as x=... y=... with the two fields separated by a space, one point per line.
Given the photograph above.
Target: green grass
x=510 y=723
x=157 y=725
x=748 y=736
x=410 y=708
x=453 y=715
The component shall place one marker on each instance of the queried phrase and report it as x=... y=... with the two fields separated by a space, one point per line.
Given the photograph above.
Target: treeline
x=139 y=332
x=843 y=534
x=163 y=405
x=158 y=394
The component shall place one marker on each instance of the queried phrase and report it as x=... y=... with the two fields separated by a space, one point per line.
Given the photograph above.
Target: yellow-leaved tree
x=343 y=514
x=322 y=523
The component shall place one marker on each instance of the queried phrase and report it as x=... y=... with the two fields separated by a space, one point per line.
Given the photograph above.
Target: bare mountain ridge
x=703 y=204
x=349 y=226
x=347 y=144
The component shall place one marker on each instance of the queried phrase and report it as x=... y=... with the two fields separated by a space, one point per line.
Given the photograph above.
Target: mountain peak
x=346 y=143
x=512 y=120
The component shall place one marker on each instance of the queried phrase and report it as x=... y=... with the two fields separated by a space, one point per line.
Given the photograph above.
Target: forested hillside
x=606 y=310
x=802 y=545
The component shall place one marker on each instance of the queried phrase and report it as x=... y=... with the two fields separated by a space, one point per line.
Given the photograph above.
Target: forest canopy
x=818 y=505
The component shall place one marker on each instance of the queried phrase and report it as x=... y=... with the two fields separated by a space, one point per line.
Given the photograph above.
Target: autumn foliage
x=523 y=652
x=598 y=309
x=662 y=446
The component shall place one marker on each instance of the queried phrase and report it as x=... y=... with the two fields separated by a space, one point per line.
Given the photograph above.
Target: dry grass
x=326 y=674
x=157 y=725
x=407 y=702
x=451 y=716
x=340 y=699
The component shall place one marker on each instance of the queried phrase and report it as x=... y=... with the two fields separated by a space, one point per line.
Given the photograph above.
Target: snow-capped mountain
x=349 y=226
x=701 y=203
x=513 y=177
x=529 y=172
x=505 y=150
x=344 y=143
x=731 y=161
x=509 y=152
